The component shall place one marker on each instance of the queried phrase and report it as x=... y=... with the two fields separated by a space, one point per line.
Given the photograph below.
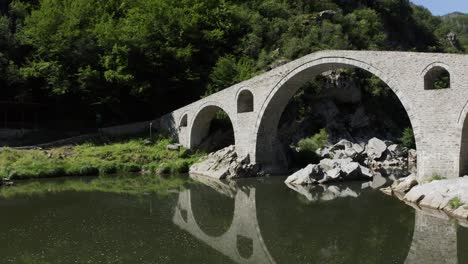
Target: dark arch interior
x=184 y=121
x=464 y=149
x=245 y=102
x=437 y=78
x=244 y=246
x=212 y=130
x=349 y=103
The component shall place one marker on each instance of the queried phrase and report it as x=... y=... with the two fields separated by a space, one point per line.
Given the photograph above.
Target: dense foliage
x=136 y=59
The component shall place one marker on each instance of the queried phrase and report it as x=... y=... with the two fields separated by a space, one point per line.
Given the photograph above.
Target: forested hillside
x=136 y=59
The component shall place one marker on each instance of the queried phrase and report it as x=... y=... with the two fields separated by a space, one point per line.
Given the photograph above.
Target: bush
x=407 y=138
x=313 y=143
x=455 y=202
x=307 y=148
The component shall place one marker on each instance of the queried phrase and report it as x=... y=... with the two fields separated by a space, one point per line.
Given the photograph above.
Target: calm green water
x=253 y=221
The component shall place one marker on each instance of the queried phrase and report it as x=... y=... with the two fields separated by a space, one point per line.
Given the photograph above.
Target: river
x=199 y=221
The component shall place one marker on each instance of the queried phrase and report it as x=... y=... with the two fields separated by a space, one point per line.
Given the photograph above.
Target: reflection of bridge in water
x=434 y=237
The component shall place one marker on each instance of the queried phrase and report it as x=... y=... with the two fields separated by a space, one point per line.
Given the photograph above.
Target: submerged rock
x=225 y=164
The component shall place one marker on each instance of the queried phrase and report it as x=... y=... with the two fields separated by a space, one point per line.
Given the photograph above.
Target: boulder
x=449 y=195
x=223 y=164
x=173 y=146
x=397 y=150
x=376 y=149
x=402 y=186
x=304 y=176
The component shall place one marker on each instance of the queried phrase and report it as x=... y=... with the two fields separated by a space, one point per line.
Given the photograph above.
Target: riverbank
x=91 y=159
x=447 y=195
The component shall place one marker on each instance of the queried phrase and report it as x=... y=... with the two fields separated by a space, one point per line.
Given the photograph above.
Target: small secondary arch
x=245 y=101
x=436 y=76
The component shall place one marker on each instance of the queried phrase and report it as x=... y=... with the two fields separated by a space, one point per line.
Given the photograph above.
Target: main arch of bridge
x=255 y=106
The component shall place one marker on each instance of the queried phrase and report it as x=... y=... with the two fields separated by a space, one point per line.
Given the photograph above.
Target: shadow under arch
x=266 y=151
x=463 y=132
x=201 y=123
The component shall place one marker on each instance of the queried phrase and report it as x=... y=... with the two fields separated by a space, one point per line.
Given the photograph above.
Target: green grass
x=437 y=178
x=455 y=202
x=132 y=185
x=91 y=160
x=465 y=207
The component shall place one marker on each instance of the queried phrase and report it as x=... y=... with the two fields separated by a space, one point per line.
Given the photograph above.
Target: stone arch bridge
x=438 y=116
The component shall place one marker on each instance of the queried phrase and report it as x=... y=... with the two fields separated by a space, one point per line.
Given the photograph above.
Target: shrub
x=407 y=138
x=307 y=148
x=455 y=202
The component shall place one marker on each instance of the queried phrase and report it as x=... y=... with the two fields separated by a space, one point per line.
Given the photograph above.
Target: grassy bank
x=92 y=159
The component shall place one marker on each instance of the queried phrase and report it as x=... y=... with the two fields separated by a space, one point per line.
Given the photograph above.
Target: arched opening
x=184 y=121
x=212 y=129
x=245 y=102
x=437 y=78
x=326 y=103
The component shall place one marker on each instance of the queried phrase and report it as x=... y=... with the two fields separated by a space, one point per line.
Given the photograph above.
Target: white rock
x=376 y=148
x=303 y=176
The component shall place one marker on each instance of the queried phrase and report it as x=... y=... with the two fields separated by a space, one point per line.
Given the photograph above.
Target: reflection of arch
x=242 y=242
x=212 y=220
x=433 y=73
x=245 y=102
x=434 y=239
x=202 y=121
x=266 y=150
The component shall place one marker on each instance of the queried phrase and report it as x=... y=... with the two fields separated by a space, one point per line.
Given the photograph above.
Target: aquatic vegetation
x=91 y=160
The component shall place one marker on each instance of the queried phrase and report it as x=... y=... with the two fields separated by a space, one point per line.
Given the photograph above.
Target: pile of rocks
x=349 y=161
x=225 y=164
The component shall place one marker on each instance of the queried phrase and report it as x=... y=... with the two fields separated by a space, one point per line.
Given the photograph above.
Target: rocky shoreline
x=447 y=195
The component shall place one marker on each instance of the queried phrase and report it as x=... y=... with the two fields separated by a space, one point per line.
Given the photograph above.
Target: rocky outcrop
x=225 y=164
x=450 y=196
x=350 y=161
